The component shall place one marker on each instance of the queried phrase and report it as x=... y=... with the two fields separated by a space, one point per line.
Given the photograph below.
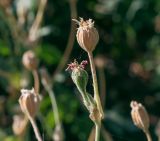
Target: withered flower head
x=29 y=60
x=139 y=116
x=29 y=102
x=19 y=124
x=87 y=34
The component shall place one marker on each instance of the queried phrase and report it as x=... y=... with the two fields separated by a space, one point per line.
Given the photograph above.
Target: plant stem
x=38 y=19
x=95 y=84
x=97 y=133
x=148 y=135
x=35 y=128
x=36 y=81
x=54 y=104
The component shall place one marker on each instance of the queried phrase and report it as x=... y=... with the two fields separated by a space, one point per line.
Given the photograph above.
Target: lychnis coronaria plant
x=88 y=37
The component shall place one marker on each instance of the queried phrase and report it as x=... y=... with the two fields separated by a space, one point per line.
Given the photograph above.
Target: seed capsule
x=29 y=60
x=139 y=116
x=19 y=124
x=29 y=102
x=87 y=35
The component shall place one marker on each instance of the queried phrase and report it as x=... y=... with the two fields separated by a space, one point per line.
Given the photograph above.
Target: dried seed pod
x=29 y=102
x=87 y=35
x=80 y=78
x=139 y=116
x=29 y=60
x=19 y=124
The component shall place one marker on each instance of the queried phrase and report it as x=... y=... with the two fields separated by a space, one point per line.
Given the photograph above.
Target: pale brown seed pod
x=139 y=116
x=19 y=125
x=29 y=102
x=87 y=35
x=29 y=60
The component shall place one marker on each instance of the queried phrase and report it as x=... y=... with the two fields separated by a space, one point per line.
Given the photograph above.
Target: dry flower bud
x=140 y=116
x=29 y=60
x=29 y=102
x=19 y=124
x=87 y=35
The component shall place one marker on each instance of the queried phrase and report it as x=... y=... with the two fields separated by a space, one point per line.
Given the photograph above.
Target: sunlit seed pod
x=29 y=102
x=87 y=35
x=139 y=116
x=29 y=60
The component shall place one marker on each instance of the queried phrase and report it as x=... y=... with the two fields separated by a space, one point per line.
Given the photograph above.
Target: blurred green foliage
x=129 y=41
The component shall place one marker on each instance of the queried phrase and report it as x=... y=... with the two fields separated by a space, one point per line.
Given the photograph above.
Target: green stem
x=95 y=84
x=97 y=133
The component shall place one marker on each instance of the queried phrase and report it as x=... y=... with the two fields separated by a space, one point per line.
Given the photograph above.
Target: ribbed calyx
x=87 y=34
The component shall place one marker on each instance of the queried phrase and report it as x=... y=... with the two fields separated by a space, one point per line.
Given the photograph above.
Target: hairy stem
x=36 y=81
x=95 y=84
x=35 y=128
